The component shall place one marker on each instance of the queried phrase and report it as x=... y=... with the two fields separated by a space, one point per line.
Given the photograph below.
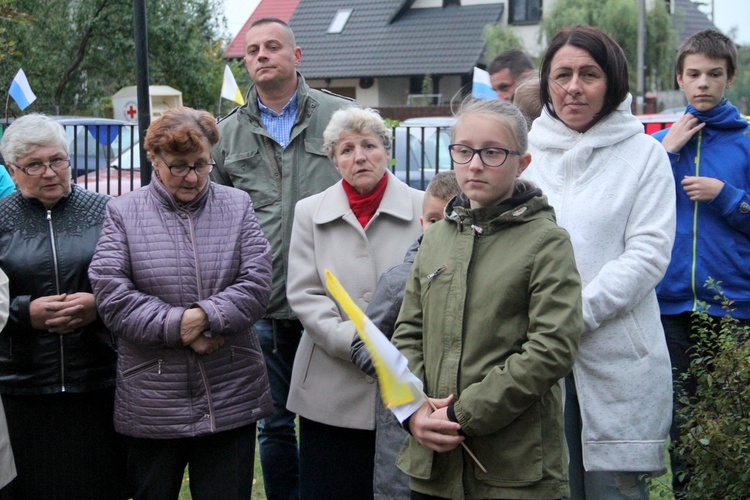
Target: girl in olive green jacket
x=490 y=322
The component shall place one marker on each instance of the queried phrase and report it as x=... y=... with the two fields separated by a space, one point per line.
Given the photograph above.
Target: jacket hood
x=551 y=133
x=723 y=116
x=527 y=203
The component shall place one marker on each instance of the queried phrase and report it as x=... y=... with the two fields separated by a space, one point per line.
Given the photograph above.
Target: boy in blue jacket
x=709 y=148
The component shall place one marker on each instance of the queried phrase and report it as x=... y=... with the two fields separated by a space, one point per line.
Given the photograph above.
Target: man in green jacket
x=272 y=148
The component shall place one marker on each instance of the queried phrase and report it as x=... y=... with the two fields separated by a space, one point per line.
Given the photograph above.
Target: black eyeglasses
x=491 y=157
x=182 y=170
x=37 y=168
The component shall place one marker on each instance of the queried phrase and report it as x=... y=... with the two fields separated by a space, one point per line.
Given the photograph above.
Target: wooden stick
x=466 y=448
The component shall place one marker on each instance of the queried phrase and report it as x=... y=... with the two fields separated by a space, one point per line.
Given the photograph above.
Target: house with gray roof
x=399 y=52
x=381 y=52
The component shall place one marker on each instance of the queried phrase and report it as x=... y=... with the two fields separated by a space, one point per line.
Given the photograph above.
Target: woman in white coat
x=358 y=228
x=612 y=189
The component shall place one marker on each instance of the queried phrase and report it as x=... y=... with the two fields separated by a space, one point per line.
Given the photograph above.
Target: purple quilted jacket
x=153 y=260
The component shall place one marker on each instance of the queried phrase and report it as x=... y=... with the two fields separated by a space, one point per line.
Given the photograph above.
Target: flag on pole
x=400 y=389
x=20 y=90
x=229 y=88
x=481 y=88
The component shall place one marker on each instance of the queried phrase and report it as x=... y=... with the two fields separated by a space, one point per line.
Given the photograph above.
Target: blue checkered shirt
x=279 y=125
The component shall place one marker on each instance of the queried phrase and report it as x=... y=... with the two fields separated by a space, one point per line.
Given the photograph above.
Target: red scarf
x=365 y=205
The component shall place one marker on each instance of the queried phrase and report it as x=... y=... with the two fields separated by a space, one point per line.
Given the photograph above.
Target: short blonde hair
x=354 y=120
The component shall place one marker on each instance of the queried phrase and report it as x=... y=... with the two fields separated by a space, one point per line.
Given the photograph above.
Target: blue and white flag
x=481 y=88
x=20 y=90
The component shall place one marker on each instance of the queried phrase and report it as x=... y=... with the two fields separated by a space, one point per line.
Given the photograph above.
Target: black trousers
x=335 y=462
x=65 y=447
x=220 y=466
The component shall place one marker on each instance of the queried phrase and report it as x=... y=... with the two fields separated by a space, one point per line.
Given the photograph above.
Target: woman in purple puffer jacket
x=181 y=273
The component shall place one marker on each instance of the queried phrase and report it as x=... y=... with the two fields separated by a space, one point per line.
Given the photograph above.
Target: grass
x=661 y=487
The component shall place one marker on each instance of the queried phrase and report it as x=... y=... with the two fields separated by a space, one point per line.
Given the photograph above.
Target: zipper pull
x=159 y=367
x=49 y=214
x=477 y=230
x=439 y=270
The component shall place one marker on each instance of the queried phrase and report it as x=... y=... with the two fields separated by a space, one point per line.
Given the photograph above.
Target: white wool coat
x=613 y=191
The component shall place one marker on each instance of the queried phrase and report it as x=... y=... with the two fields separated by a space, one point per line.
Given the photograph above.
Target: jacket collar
x=527 y=203
x=723 y=116
x=304 y=100
x=165 y=198
x=335 y=205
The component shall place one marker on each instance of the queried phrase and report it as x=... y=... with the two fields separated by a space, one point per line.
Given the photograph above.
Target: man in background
x=508 y=70
x=272 y=148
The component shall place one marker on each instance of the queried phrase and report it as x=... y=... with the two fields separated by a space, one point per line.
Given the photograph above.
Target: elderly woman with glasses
x=181 y=274
x=358 y=228
x=57 y=359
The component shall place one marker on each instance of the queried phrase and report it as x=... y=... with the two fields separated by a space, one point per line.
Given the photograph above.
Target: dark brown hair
x=607 y=54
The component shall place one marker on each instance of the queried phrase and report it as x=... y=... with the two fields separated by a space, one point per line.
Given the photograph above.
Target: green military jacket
x=276 y=178
x=492 y=315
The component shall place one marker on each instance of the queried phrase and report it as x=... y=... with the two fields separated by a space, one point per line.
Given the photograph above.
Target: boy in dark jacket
x=709 y=148
x=389 y=482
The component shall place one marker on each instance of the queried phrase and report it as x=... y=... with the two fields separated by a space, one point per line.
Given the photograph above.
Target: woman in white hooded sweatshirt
x=613 y=191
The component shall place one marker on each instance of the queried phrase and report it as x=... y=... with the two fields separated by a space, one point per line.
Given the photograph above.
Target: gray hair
x=29 y=132
x=506 y=113
x=354 y=120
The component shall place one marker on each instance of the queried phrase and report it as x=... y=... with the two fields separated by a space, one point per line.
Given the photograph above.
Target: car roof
x=87 y=120
x=429 y=121
x=660 y=117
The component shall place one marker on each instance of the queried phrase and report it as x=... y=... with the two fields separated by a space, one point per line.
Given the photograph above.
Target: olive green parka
x=492 y=315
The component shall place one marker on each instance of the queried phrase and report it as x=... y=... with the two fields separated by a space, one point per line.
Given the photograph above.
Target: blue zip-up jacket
x=712 y=239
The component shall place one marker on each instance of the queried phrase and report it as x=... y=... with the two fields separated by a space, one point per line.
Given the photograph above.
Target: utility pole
x=641 y=57
x=141 y=78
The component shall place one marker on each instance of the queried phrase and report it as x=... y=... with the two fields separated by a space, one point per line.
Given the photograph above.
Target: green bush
x=715 y=420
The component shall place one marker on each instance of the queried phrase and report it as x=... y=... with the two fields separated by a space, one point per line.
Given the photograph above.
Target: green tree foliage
x=619 y=19
x=739 y=92
x=716 y=419
x=498 y=37
x=8 y=15
x=77 y=54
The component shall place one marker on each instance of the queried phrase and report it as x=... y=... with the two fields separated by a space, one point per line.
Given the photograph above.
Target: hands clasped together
x=194 y=323
x=432 y=428
x=62 y=313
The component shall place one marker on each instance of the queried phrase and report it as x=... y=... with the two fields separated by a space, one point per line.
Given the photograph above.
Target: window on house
x=339 y=21
x=525 y=11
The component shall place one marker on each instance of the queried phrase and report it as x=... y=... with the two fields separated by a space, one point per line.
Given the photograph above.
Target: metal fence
x=105 y=157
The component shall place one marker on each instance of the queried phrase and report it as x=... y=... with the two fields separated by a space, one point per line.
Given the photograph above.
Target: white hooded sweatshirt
x=613 y=190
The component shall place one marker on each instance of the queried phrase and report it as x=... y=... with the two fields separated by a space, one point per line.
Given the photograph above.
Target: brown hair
x=443 y=186
x=712 y=44
x=526 y=97
x=180 y=130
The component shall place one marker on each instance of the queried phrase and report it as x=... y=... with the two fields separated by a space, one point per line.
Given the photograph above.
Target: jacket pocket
x=635 y=334
x=513 y=455
x=415 y=460
x=250 y=172
x=152 y=365
x=238 y=353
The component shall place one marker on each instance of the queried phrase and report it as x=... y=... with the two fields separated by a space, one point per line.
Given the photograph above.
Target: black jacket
x=47 y=252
